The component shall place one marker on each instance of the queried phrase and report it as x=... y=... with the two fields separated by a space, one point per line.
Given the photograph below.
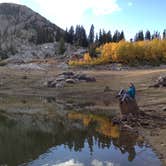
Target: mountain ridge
x=21 y=25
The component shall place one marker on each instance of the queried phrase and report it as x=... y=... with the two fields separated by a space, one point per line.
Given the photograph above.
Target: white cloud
x=71 y=162
x=105 y=163
x=104 y=7
x=70 y=12
x=10 y=1
x=97 y=163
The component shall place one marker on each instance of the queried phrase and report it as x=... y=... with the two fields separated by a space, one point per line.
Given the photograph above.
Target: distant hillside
x=21 y=25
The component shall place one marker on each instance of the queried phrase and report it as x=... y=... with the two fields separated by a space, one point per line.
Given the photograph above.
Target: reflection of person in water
x=132 y=154
x=126 y=143
x=129 y=149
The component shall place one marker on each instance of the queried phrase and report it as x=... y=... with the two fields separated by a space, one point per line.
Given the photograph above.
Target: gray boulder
x=70 y=81
x=160 y=82
x=67 y=78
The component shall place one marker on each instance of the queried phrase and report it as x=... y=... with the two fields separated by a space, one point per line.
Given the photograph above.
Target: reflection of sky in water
x=62 y=156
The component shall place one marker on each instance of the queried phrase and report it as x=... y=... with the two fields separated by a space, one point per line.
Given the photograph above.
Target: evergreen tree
x=116 y=36
x=164 y=34
x=91 y=35
x=83 y=37
x=136 y=37
x=80 y=37
x=77 y=35
x=104 y=37
x=139 y=36
x=92 y=50
x=97 y=40
x=71 y=35
x=58 y=35
x=156 y=35
x=109 y=37
x=100 y=37
x=121 y=37
x=147 y=35
x=61 y=48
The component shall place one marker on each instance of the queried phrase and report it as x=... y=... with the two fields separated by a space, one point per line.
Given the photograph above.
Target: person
x=130 y=93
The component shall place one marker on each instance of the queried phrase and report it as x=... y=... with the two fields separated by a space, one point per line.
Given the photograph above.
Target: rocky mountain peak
x=21 y=25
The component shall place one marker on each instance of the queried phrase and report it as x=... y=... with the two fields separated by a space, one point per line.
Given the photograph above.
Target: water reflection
x=73 y=138
x=108 y=133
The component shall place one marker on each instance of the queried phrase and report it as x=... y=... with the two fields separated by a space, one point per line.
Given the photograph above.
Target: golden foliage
x=104 y=125
x=141 y=52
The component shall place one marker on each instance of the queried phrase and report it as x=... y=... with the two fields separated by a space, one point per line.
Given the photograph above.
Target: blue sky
x=128 y=15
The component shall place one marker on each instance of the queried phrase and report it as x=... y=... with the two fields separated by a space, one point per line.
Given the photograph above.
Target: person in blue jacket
x=131 y=91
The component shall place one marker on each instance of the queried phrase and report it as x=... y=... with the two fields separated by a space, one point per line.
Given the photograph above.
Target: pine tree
x=61 y=48
x=100 y=37
x=139 y=36
x=109 y=37
x=97 y=40
x=83 y=37
x=91 y=35
x=58 y=35
x=121 y=37
x=104 y=36
x=147 y=35
x=164 y=34
x=71 y=35
x=156 y=35
x=116 y=36
x=77 y=35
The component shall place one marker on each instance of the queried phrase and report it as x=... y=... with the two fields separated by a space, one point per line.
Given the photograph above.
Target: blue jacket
x=131 y=92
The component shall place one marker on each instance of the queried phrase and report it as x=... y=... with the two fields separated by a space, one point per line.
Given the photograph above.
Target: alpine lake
x=45 y=131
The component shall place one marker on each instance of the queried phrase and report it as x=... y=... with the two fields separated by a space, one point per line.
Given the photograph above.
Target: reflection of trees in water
x=18 y=144
x=103 y=125
x=107 y=133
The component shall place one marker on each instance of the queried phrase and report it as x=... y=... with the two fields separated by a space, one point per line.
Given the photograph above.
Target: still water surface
x=37 y=132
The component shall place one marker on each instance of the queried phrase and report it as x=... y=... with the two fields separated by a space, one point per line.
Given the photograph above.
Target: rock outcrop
x=68 y=78
x=160 y=82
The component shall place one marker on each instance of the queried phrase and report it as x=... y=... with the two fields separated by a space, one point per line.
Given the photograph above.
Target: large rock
x=67 y=78
x=51 y=83
x=160 y=82
x=129 y=107
x=70 y=81
x=84 y=77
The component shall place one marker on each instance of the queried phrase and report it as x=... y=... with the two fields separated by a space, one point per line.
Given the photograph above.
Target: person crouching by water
x=129 y=94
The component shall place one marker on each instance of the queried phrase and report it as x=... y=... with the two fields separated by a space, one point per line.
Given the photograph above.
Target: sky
x=127 y=15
